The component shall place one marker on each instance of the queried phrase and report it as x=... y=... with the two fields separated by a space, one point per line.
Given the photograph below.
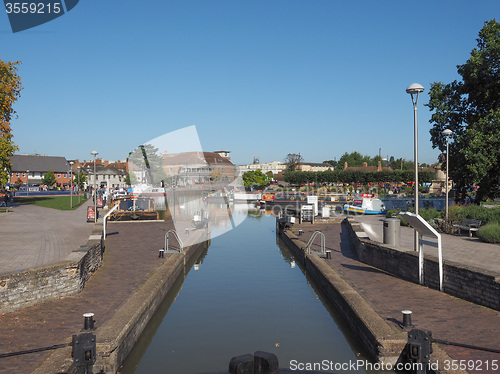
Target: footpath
x=447 y=317
x=32 y=236
x=130 y=258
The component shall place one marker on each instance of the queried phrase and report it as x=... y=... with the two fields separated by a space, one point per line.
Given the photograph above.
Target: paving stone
x=448 y=318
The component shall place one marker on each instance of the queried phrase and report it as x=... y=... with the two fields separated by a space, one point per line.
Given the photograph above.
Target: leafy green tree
x=80 y=179
x=127 y=180
x=255 y=178
x=471 y=109
x=10 y=90
x=49 y=179
x=334 y=163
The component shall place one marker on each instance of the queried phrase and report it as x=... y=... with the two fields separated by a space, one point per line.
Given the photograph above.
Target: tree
x=471 y=109
x=10 y=90
x=147 y=159
x=255 y=178
x=331 y=162
x=49 y=179
x=127 y=180
x=292 y=161
x=80 y=179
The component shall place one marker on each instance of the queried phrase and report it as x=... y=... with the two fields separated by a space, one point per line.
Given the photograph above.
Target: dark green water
x=245 y=296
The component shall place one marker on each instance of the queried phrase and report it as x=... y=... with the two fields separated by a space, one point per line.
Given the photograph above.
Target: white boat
x=367 y=204
x=246 y=197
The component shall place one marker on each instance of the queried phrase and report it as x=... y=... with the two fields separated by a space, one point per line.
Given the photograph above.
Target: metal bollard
x=88 y=322
x=407 y=319
x=328 y=254
x=419 y=349
x=161 y=253
x=84 y=346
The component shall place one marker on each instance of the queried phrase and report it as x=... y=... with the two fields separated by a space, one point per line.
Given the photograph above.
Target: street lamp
x=71 y=183
x=415 y=89
x=79 y=182
x=95 y=153
x=447 y=133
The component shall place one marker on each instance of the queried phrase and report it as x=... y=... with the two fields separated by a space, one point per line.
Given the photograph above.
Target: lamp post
x=415 y=89
x=95 y=153
x=79 y=182
x=71 y=183
x=447 y=133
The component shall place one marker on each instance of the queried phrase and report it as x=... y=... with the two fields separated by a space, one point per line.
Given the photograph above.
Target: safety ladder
x=311 y=240
x=181 y=246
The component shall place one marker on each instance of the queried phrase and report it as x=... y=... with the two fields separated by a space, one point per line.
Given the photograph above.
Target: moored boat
x=367 y=204
x=134 y=208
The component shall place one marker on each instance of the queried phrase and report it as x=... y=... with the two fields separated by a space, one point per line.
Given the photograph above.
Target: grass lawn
x=55 y=202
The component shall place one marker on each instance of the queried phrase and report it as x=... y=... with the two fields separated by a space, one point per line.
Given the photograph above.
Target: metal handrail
x=314 y=235
x=181 y=246
x=106 y=216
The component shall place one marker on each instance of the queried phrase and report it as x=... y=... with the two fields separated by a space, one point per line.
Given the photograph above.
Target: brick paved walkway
x=447 y=317
x=131 y=257
x=461 y=249
x=32 y=236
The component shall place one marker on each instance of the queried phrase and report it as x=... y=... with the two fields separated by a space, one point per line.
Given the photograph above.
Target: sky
x=260 y=78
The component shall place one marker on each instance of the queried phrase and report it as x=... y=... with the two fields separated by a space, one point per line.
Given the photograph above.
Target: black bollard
x=407 y=319
x=88 y=322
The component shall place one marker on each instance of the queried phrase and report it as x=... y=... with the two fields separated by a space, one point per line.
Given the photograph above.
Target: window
x=58 y=175
x=17 y=175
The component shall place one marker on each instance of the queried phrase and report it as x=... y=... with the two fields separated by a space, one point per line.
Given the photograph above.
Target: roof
x=317 y=164
x=195 y=158
x=102 y=170
x=36 y=163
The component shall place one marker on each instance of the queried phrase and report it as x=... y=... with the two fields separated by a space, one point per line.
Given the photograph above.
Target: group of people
x=6 y=198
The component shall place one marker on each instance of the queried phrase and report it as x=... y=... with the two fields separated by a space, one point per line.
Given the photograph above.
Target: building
x=110 y=174
x=313 y=166
x=365 y=167
x=30 y=169
x=187 y=168
x=274 y=167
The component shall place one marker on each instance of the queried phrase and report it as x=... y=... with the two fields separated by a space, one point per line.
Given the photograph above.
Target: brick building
x=31 y=169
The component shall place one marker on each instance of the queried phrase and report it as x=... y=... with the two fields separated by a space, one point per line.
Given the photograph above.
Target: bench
x=468 y=224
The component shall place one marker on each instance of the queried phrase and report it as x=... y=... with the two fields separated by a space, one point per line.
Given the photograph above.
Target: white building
x=274 y=167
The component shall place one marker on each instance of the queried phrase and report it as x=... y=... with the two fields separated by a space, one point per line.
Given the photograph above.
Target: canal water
x=244 y=294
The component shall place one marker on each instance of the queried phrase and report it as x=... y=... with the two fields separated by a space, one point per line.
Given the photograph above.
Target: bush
x=429 y=214
x=489 y=233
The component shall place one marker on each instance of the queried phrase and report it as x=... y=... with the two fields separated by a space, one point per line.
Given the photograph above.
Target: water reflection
x=246 y=297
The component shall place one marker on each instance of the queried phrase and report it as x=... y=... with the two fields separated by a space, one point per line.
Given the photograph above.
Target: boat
x=134 y=208
x=242 y=197
x=367 y=204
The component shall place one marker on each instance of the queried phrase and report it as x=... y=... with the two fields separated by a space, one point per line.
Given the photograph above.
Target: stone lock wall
x=32 y=286
x=466 y=282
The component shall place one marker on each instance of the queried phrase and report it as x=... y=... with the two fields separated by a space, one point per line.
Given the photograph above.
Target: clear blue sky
x=258 y=78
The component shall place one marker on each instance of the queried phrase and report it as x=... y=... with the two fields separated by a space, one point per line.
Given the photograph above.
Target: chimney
x=345 y=165
x=365 y=164
x=379 y=168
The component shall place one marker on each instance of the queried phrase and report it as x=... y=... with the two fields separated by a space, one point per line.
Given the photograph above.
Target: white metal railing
x=106 y=216
x=181 y=246
x=311 y=240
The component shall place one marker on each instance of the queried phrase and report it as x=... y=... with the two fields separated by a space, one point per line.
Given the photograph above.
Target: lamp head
x=94 y=153
x=414 y=88
x=447 y=132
